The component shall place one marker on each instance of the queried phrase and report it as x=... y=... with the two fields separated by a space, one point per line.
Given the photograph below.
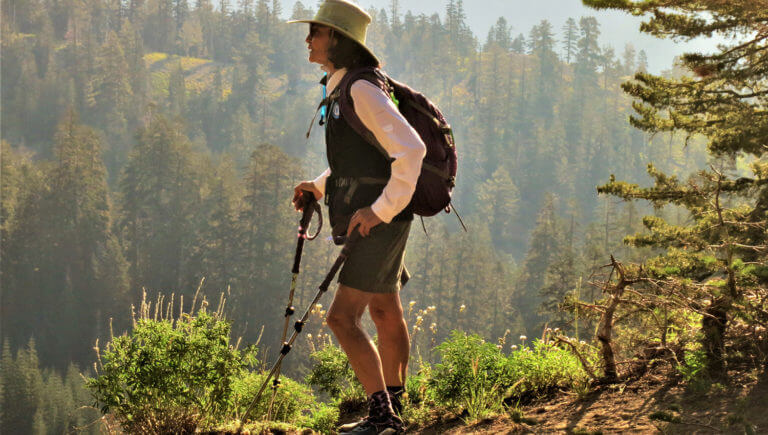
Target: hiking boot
x=395 y=397
x=368 y=427
x=349 y=426
x=381 y=418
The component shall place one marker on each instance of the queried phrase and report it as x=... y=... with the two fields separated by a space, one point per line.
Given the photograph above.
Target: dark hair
x=347 y=53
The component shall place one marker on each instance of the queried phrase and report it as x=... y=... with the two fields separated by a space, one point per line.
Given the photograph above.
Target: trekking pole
x=309 y=206
x=299 y=325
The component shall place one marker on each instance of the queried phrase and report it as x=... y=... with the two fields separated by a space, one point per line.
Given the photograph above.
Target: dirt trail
x=657 y=403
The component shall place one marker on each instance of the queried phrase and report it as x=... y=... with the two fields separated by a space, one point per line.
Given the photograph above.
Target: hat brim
x=343 y=32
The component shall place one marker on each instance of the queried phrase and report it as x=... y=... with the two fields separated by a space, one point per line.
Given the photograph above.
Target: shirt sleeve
x=398 y=138
x=319 y=182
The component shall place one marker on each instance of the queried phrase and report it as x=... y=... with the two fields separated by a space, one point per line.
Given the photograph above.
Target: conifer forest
x=617 y=224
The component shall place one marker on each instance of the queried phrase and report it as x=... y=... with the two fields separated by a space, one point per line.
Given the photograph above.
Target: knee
x=386 y=317
x=340 y=322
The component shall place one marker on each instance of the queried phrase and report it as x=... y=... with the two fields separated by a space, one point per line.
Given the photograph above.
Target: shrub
x=170 y=375
x=332 y=374
x=542 y=368
x=471 y=375
x=293 y=401
x=324 y=418
x=417 y=385
x=694 y=365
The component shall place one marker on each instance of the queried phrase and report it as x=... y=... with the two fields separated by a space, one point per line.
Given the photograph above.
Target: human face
x=318 y=40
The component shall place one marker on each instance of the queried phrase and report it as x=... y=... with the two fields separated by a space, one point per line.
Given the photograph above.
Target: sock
x=396 y=398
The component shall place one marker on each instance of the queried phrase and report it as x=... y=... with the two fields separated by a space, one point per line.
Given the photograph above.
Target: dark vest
x=359 y=171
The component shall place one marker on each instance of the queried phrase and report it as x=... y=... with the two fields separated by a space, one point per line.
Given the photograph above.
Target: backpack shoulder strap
x=347 y=108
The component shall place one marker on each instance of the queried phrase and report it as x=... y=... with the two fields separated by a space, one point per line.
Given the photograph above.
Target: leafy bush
x=543 y=367
x=694 y=365
x=324 y=418
x=476 y=376
x=293 y=400
x=332 y=374
x=170 y=376
x=471 y=375
x=417 y=386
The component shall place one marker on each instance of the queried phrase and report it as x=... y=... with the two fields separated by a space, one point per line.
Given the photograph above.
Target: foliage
x=199 y=114
x=471 y=374
x=189 y=136
x=57 y=403
x=324 y=418
x=332 y=374
x=292 y=402
x=720 y=97
x=170 y=374
x=476 y=376
x=543 y=367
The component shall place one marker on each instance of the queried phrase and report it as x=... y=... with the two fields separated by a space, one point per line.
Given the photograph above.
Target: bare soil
x=658 y=402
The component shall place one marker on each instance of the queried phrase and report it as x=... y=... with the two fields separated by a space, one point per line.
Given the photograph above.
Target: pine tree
x=499 y=34
x=219 y=248
x=177 y=90
x=723 y=103
x=543 y=247
x=23 y=388
x=498 y=204
x=112 y=96
x=263 y=20
x=588 y=54
x=560 y=279
x=160 y=192
x=269 y=184
x=630 y=59
x=642 y=61
x=180 y=14
x=570 y=36
x=542 y=44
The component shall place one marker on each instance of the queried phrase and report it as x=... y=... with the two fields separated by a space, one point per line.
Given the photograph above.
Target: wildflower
x=523 y=338
x=411 y=303
x=431 y=308
x=319 y=306
x=462 y=308
x=582 y=342
x=514 y=347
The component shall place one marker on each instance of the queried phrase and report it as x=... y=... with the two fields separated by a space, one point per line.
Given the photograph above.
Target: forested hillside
x=151 y=147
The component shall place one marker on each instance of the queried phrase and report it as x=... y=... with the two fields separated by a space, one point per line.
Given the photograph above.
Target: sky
x=617 y=28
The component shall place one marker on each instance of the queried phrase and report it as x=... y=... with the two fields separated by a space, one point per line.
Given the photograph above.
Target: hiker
x=368 y=193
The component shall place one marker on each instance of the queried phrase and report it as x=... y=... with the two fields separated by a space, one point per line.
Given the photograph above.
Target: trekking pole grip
x=309 y=206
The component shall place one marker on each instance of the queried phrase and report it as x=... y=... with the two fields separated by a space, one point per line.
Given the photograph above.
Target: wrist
x=378 y=210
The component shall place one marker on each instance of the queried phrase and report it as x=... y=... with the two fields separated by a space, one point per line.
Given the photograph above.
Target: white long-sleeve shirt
x=399 y=139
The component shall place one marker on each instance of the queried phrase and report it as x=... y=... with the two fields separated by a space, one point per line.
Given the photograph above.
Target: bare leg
x=343 y=318
x=394 y=343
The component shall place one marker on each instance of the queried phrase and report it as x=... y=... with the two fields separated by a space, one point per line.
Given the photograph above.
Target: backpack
x=438 y=171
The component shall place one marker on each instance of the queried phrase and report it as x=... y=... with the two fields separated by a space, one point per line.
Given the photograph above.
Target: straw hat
x=345 y=17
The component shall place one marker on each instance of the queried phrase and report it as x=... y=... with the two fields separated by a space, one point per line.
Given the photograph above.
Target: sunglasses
x=314 y=28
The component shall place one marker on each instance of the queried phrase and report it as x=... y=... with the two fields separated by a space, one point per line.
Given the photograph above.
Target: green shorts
x=376 y=264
